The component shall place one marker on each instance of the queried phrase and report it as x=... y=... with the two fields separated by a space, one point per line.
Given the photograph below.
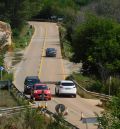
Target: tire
x=75 y=96
x=25 y=91
x=31 y=97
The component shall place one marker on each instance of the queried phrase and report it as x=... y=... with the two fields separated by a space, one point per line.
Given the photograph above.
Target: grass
x=24 y=38
x=6 y=100
x=84 y=81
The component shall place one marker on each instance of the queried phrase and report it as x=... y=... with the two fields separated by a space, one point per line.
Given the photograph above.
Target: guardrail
x=13 y=110
x=93 y=93
x=83 y=92
x=66 y=122
x=18 y=94
x=5 y=84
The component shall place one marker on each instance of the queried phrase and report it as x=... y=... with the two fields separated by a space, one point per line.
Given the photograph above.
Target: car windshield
x=32 y=81
x=67 y=84
x=41 y=87
x=51 y=49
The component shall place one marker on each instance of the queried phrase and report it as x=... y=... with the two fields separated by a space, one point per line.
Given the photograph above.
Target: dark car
x=29 y=82
x=41 y=92
x=50 y=52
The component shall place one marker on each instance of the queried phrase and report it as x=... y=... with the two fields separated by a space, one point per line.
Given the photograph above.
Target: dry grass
x=6 y=100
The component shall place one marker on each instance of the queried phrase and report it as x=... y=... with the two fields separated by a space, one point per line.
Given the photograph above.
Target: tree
x=96 y=43
x=16 y=12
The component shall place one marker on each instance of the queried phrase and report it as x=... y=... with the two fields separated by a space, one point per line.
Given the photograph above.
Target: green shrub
x=96 y=86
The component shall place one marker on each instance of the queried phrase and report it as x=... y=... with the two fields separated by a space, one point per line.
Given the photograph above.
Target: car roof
x=51 y=49
x=32 y=77
x=40 y=84
x=66 y=81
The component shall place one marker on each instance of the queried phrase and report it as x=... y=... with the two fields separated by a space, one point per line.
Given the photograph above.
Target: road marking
x=41 y=62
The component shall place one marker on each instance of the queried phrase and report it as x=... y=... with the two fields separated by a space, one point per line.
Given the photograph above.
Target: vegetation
x=30 y=119
x=17 y=12
x=101 y=38
x=22 y=39
x=106 y=8
x=111 y=116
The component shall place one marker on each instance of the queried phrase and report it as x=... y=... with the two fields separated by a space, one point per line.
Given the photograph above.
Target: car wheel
x=25 y=91
x=74 y=96
x=31 y=97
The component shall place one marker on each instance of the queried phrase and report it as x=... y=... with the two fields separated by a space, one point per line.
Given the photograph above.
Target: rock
x=5 y=34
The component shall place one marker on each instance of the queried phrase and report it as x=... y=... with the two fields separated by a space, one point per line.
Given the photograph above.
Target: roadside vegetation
x=22 y=39
x=6 y=100
x=111 y=117
x=30 y=119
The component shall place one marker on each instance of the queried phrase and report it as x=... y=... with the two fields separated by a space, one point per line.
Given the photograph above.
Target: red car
x=41 y=92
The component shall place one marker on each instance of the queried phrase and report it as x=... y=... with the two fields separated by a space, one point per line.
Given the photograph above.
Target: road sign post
x=0 y=74
x=1 y=69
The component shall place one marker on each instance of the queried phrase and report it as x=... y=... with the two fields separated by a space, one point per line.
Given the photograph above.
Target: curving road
x=52 y=69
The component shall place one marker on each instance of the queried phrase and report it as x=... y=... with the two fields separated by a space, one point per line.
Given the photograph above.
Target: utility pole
x=110 y=85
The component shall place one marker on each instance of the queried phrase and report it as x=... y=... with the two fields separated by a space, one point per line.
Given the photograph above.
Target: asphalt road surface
x=52 y=69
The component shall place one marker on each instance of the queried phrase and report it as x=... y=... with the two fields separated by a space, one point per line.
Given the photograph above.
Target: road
x=52 y=69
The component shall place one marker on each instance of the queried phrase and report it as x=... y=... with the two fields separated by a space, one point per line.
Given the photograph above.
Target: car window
x=67 y=84
x=51 y=49
x=32 y=81
x=41 y=87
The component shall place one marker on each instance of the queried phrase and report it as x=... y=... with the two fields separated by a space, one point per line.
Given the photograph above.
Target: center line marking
x=43 y=48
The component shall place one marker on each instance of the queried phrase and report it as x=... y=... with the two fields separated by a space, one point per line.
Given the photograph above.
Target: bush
x=95 y=87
